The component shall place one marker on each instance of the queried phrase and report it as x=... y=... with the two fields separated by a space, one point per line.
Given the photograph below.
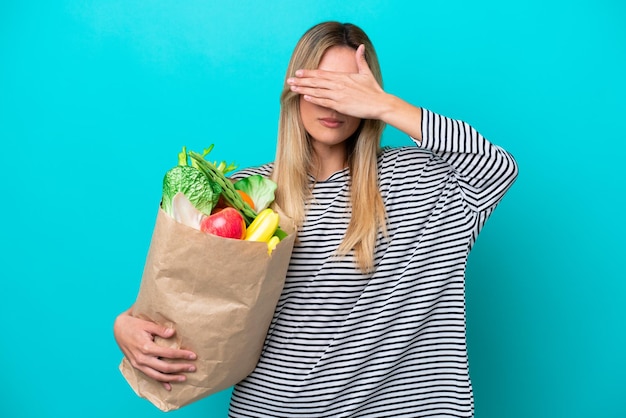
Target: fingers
x=166 y=368
x=159 y=330
x=162 y=364
x=361 y=62
x=317 y=79
x=162 y=351
x=163 y=371
x=319 y=83
x=136 y=336
x=156 y=350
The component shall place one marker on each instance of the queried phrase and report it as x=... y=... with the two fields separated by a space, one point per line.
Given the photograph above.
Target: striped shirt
x=390 y=343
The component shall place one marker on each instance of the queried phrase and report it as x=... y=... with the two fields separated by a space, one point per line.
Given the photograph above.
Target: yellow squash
x=263 y=226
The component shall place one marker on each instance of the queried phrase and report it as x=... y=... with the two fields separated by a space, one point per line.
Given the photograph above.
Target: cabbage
x=193 y=183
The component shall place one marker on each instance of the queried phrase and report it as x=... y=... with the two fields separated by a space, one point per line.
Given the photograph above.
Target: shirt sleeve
x=484 y=171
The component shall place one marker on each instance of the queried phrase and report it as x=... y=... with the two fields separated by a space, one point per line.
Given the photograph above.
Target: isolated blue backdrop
x=97 y=98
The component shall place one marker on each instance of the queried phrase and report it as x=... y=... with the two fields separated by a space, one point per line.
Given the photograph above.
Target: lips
x=330 y=122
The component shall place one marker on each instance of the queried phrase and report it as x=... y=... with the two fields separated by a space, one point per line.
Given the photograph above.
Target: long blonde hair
x=294 y=151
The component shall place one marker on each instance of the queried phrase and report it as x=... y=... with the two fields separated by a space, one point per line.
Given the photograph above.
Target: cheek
x=306 y=109
x=308 y=115
x=352 y=124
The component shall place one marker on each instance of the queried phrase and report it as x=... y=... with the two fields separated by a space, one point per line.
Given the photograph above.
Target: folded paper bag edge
x=154 y=392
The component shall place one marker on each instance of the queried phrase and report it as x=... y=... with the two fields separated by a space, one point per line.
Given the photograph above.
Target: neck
x=328 y=161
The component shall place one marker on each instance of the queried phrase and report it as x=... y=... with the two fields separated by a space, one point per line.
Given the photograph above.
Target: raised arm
x=484 y=171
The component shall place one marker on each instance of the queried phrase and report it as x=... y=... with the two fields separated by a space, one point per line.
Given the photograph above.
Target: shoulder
x=264 y=170
x=406 y=158
x=403 y=152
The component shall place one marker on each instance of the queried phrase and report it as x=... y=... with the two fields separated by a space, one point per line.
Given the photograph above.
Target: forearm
x=484 y=170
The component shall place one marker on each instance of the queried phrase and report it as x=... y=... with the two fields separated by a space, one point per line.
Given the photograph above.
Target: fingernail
x=192 y=369
x=290 y=81
x=192 y=356
x=298 y=73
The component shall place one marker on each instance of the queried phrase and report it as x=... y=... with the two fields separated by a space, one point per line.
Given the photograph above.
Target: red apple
x=227 y=223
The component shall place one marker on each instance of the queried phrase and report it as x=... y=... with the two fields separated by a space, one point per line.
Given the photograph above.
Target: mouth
x=330 y=122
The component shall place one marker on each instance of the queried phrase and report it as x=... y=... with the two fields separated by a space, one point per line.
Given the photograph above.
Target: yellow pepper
x=263 y=226
x=272 y=243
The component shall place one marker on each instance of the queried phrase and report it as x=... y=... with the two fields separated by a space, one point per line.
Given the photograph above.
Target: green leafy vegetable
x=260 y=189
x=193 y=183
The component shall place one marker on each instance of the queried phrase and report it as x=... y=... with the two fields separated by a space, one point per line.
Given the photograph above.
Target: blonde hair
x=294 y=151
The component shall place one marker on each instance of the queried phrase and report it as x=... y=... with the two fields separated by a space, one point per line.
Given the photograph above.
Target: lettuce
x=260 y=189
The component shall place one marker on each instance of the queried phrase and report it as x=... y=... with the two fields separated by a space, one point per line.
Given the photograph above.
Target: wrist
x=388 y=107
x=402 y=116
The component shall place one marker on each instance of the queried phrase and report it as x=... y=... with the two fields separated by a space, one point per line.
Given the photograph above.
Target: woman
x=371 y=321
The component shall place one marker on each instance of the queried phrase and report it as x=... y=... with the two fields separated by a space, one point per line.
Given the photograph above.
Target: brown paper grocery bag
x=219 y=294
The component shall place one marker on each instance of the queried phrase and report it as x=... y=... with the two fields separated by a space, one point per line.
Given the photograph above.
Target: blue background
x=98 y=97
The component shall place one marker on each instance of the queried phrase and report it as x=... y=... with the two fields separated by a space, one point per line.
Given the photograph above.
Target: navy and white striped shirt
x=390 y=343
